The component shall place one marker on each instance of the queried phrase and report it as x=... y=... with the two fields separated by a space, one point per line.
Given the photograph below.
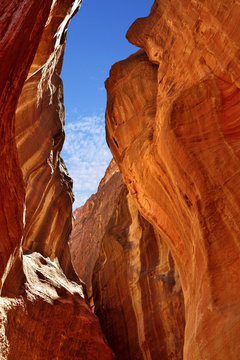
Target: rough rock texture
x=49 y=319
x=43 y=312
x=173 y=126
x=136 y=289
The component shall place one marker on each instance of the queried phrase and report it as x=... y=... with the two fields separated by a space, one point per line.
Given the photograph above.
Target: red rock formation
x=43 y=313
x=50 y=318
x=21 y=26
x=173 y=126
x=91 y=222
x=39 y=138
x=136 y=290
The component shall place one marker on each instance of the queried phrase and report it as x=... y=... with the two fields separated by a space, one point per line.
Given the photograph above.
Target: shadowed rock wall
x=17 y=49
x=136 y=289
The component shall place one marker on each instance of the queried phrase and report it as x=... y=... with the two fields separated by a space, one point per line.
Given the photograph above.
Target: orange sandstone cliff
x=91 y=222
x=157 y=252
x=130 y=273
x=43 y=309
x=17 y=49
x=173 y=126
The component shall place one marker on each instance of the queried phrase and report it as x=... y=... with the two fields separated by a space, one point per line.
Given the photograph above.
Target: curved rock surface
x=43 y=311
x=17 y=49
x=136 y=290
x=91 y=222
x=40 y=137
x=49 y=318
x=173 y=126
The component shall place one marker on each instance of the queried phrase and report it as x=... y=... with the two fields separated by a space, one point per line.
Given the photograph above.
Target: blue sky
x=95 y=41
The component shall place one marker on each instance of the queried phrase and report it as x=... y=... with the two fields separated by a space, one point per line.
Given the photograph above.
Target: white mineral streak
x=50 y=161
x=47 y=74
x=134 y=271
x=63 y=26
x=52 y=277
x=49 y=68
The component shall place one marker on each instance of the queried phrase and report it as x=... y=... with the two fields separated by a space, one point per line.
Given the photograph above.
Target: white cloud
x=85 y=153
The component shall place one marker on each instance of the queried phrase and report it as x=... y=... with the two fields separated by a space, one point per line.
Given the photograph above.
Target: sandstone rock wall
x=91 y=222
x=20 y=31
x=43 y=312
x=39 y=137
x=136 y=290
x=137 y=294
x=173 y=126
x=49 y=318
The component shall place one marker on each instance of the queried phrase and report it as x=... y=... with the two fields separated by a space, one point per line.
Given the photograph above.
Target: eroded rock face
x=136 y=290
x=40 y=137
x=49 y=318
x=173 y=126
x=21 y=26
x=43 y=310
x=91 y=222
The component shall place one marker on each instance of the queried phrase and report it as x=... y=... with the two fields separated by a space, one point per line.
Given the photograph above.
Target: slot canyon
x=148 y=268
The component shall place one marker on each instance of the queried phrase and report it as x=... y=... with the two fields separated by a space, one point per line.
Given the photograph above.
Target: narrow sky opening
x=95 y=41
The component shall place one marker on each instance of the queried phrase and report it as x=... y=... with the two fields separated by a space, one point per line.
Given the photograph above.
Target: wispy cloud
x=85 y=153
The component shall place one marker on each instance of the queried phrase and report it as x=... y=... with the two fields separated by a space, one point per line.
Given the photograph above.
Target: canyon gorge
x=151 y=267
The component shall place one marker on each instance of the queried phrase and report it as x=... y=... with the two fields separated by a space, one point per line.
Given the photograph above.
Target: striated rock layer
x=49 y=318
x=91 y=222
x=43 y=310
x=136 y=290
x=173 y=126
x=40 y=137
x=17 y=49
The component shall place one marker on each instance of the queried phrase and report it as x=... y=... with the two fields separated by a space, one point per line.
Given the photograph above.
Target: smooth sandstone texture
x=21 y=26
x=136 y=290
x=43 y=310
x=39 y=137
x=173 y=126
x=91 y=222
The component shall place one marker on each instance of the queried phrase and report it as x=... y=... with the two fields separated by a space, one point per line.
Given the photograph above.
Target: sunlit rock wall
x=49 y=318
x=39 y=138
x=43 y=312
x=173 y=126
x=137 y=294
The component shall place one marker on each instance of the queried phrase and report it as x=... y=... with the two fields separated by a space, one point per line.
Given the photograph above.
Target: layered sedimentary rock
x=39 y=138
x=49 y=319
x=43 y=310
x=91 y=222
x=21 y=26
x=173 y=126
x=136 y=290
